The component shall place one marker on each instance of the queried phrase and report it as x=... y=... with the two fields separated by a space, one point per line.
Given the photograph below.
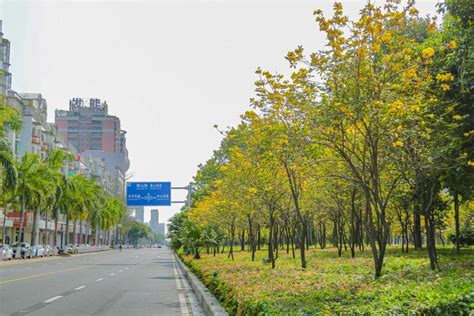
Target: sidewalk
x=43 y=259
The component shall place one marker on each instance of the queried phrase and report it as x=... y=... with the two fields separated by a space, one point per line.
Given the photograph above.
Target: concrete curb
x=209 y=303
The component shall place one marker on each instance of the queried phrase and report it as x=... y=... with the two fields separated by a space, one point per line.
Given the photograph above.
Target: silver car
x=38 y=251
x=25 y=250
x=7 y=252
x=48 y=250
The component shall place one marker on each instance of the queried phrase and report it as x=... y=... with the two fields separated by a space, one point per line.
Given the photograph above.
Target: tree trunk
x=232 y=236
x=4 y=229
x=56 y=220
x=35 y=229
x=417 y=239
x=66 y=239
x=74 y=232
x=80 y=241
x=431 y=241
x=456 y=220
x=46 y=233
x=271 y=257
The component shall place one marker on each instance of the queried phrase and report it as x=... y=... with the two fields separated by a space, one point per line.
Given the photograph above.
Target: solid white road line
x=183 y=305
x=181 y=297
x=52 y=299
x=98 y=280
x=112 y=274
x=79 y=288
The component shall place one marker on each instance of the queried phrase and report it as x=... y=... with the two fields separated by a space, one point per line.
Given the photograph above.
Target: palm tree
x=10 y=119
x=62 y=202
x=54 y=162
x=8 y=181
x=28 y=186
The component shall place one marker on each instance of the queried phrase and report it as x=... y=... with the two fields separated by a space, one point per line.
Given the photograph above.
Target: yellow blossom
x=445 y=77
x=410 y=73
x=361 y=52
x=386 y=37
x=444 y=86
x=457 y=117
x=413 y=11
x=375 y=48
x=415 y=108
x=452 y=45
x=398 y=143
x=470 y=163
x=431 y=27
x=428 y=52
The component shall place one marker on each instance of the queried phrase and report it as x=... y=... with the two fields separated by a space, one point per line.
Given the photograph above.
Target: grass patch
x=333 y=285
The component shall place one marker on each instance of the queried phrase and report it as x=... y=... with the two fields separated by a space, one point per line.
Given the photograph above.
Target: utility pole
x=190 y=192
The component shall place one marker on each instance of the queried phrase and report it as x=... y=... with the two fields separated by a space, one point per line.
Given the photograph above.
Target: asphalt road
x=131 y=282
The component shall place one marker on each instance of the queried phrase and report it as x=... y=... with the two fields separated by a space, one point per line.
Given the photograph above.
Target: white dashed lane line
x=52 y=299
x=98 y=280
x=120 y=270
x=79 y=288
x=112 y=274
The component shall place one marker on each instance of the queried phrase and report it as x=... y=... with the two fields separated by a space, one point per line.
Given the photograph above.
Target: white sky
x=169 y=70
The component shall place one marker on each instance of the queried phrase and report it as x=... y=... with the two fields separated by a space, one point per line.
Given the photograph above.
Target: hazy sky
x=169 y=70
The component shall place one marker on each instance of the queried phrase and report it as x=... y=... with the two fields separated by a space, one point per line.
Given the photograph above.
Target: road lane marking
x=126 y=268
x=52 y=299
x=100 y=279
x=39 y=275
x=183 y=305
x=120 y=270
x=53 y=272
x=79 y=288
x=112 y=274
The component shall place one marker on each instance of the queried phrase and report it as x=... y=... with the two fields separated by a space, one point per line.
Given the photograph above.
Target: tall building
x=161 y=229
x=155 y=215
x=156 y=226
x=88 y=127
x=5 y=75
x=140 y=214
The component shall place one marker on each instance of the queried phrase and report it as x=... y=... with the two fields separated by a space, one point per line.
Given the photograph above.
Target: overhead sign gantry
x=153 y=194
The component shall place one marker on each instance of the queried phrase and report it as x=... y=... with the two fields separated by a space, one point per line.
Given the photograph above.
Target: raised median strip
x=209 y=303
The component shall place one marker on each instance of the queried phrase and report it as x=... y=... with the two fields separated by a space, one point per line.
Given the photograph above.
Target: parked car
x=7 y=252
x=25 y=250
x=48 y=250
x=38 y=251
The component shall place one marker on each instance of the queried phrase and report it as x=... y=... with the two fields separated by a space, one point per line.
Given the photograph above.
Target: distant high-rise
x=140 y=214
x=156 y=226
x=5 y=75
x=155 y=215
x=161 y=229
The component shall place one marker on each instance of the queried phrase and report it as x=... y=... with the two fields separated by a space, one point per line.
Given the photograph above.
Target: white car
x=7 y=252
x=48 y=250
x=38 y=251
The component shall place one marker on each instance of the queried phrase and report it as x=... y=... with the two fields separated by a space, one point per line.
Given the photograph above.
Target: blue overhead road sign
x=148 y=193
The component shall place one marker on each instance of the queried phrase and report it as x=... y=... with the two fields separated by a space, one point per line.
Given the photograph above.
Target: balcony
x=35 y=140
x=44 y=147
